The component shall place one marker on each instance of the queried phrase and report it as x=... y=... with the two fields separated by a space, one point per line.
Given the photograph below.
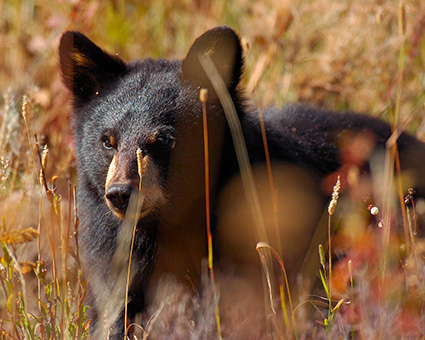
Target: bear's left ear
x=223 y=46
x=85 y=67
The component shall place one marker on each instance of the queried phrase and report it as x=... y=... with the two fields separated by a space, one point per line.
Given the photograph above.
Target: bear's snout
x=118 y=196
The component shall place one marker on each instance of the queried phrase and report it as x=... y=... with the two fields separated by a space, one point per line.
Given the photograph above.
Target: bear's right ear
x=223 y=46
x=85 y=67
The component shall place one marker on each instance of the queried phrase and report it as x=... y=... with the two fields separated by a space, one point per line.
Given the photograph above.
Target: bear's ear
x=85 y=67
x=223 y=46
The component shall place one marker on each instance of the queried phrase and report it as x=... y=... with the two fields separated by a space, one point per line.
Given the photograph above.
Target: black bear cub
x=154 y=106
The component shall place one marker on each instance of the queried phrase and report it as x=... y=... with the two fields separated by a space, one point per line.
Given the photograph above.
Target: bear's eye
x=107 y=142
x=166 y=141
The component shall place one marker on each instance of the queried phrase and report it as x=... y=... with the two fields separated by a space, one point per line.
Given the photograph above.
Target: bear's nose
x=118 y=195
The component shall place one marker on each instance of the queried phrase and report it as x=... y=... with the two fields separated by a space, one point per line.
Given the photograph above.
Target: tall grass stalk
x=50 y=229
x=264 y=245
x=273 y=192
x=392 y=157
x=350 y=272
x=265 y=59
x=240 y=149
x=239 y=142
x=331 y=210
x=81 y=327
x=203 y=97
x=139 y=207
x=400 y=75
x=113 y=304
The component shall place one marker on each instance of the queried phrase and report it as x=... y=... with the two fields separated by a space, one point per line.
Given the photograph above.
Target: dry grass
x=359 y=55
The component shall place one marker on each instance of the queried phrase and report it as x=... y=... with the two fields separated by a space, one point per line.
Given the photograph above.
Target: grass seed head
x=25 y=109
x=203 y=95
x=335 y=196
x=19 y=236
x=139 y=162
x=44 y=155
x=322 y=255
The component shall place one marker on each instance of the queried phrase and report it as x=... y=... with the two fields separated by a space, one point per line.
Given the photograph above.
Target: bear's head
x=147 y=105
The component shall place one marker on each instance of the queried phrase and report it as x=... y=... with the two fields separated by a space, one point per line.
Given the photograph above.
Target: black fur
x=149 y=104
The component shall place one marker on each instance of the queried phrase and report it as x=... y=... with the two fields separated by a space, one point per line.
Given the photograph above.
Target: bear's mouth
x=121 y=213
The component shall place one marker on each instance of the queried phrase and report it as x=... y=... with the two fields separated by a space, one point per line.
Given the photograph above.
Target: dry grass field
x=361 y=55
